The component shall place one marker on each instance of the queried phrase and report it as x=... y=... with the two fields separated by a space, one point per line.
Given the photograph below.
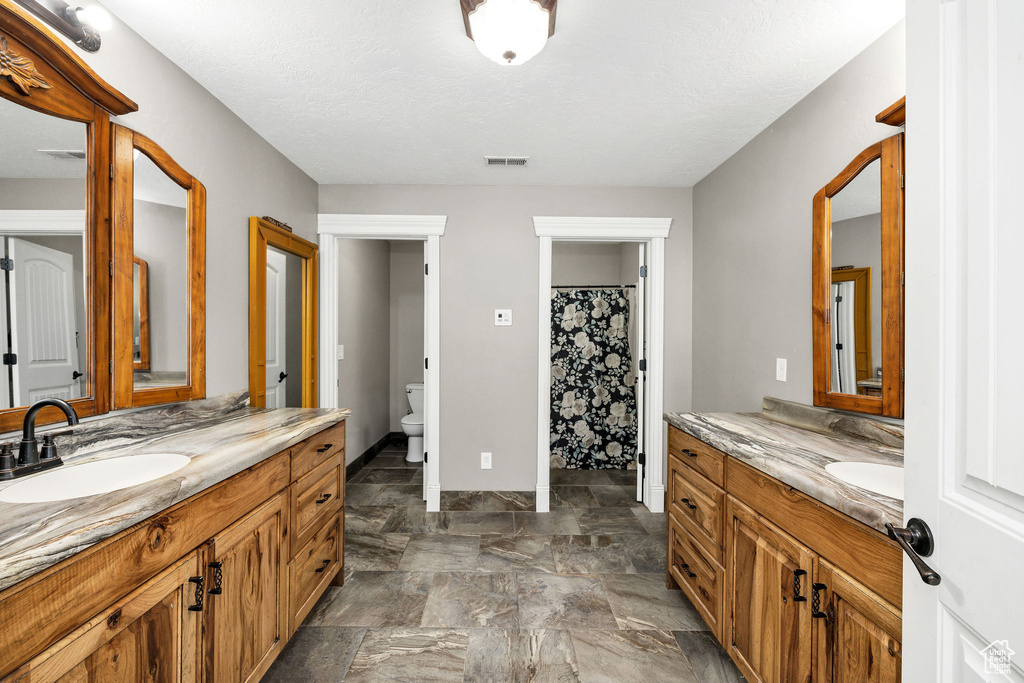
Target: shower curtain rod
x=593 y=286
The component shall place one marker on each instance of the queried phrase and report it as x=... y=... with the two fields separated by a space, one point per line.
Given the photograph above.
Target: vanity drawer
x=696 y=454
x=314 y=498
x=698 y=575
x=697 y=505
x=317 y=450
x=312 y=570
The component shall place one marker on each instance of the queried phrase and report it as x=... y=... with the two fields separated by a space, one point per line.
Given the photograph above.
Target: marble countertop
x=798 y=457
x=222 y=437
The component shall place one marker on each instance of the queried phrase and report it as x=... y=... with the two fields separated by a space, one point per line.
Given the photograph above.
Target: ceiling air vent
x=64 y=154
x=506 y=161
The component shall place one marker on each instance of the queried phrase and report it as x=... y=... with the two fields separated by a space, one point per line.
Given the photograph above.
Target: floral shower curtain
x=593 y=399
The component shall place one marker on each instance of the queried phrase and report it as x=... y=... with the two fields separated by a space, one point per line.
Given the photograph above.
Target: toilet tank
x=415 y=394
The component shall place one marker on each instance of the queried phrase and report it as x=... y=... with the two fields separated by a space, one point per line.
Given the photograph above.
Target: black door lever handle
x=917 y=541
x=280 y=378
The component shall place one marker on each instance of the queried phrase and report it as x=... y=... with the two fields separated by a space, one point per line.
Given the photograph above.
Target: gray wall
x=858 y=242
x=585 y=263
x=244 y=176
x=364 y=328
x=489 y=259
x=406 y=324
x=161 y=240
x=42 y=193
x=752 y=233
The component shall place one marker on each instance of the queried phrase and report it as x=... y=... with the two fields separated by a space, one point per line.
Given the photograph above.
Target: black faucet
x=29 y=457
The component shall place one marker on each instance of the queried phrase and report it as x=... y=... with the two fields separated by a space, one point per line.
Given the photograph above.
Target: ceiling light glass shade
x=94 y=16
x=510 y=32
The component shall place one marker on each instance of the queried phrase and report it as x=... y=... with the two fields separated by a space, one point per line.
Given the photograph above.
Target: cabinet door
x=768 y=633
x=150 y=635
x=247 y=595
x=859 y=640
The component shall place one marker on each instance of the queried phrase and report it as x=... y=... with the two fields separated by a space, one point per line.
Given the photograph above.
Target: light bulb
x=510 y=32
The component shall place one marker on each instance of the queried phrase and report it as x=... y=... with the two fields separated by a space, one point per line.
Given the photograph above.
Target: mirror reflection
x=43 y=321
x=284 y=329
x=856 y=292
x=160 y=323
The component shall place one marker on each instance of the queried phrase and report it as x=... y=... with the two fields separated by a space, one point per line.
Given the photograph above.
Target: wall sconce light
x=80 y=24
x=509 y=32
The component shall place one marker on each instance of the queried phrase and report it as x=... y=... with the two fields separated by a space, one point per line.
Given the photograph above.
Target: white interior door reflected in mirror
x=277 y=342
x=44 y=322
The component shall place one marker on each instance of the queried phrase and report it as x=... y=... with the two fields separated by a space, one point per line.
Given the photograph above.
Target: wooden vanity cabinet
x=208 y=590
x=767 y=572
x=780 y=550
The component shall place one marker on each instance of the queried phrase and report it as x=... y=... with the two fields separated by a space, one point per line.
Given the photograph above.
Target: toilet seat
x=413 y=419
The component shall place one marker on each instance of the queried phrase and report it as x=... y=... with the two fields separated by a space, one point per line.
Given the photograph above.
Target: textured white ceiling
x=653 y=93
x=23 y=132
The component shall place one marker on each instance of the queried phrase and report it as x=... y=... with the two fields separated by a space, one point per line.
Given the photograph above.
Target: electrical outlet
x=503 y=317
x=780 y=369
x=485 y=461
x=341 y=352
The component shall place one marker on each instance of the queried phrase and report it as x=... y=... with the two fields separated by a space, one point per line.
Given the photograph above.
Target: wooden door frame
x=653 y=232
x=263 y=234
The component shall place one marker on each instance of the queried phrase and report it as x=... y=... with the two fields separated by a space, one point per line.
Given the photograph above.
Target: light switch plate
x=503 y=317
x=780 y=369
x=485 y=461
x=341 y=352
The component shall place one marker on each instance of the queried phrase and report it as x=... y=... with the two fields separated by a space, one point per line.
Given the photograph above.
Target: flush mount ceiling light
x=509 y=32
x=80 y=24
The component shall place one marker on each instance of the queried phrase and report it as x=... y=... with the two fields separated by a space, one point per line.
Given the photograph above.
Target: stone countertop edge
x=36 y=536
x=797 y=457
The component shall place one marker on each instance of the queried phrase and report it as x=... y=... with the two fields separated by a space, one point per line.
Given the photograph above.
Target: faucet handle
x=7 y=458
x=48 y=450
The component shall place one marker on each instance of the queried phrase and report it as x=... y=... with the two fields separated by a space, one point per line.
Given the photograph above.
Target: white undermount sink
x=884 y=479
x=93 y=478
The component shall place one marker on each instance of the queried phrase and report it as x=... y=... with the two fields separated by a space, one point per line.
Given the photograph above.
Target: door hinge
x=903 y=181
x=828 y=315
x=643 y=271
x=903 y=375
x=425 y=456
x=10 y=359
x=643 y=365
x=641 y=458
x=426 y=364
x=903 y=279
x=111 y=264
x=110 y=367
x=426 y=269
x=111 y=171
x=6 y=264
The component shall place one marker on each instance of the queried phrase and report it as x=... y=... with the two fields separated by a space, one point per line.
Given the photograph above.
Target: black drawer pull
x=686 y=570
x=816 y=601
x=326 y=447
x=218 y=578
x=797 y=573
x=687 y=503
x=326 y=562
x=326 y=497
x=690 y=453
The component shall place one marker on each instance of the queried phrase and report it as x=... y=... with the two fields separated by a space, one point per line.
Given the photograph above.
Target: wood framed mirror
x=858 y=276
x=159 y=227
x=283 y=294
x=54 y=219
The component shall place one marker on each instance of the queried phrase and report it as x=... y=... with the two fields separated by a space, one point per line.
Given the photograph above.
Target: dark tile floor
x=487 y=590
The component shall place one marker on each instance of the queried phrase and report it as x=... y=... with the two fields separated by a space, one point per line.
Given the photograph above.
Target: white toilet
x=412 y=424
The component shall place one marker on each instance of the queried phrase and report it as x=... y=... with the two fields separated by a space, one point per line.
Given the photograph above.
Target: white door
x=5 y=372
x=277 y=373
x=639 y=353
x=965 y=322
x=426 y=346
x=42 y=300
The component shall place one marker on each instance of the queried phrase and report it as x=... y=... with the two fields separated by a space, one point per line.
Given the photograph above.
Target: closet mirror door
x=160 y=254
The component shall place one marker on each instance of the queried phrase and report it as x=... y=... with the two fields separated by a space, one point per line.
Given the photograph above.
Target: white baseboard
x=433 y=498
x=543 y=499
x=657 y=504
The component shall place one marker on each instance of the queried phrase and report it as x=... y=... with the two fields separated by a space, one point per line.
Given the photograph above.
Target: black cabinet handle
x=689 y=453
x=797 y=573
x=198 y=581
x=326 y=497
x=816 y=601
x=917 y=541
x=326 y=447
x=218 y=577
x=326 y=562
x=687 y=503
x=686 y=570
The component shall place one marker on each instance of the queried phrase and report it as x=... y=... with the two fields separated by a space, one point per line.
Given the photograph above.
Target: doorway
x=429 y=230
x=283 y=274
x=649 y=235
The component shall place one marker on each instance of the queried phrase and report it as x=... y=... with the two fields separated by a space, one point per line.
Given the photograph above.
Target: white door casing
x=43 y=322
x=277 y=334
x=429 y=229
x=639 y=349
x=964 y=367
x=651 y=233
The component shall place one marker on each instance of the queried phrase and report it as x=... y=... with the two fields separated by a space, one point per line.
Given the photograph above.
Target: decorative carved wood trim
x=19 y=70
x=469 y=6
x=50 y=52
